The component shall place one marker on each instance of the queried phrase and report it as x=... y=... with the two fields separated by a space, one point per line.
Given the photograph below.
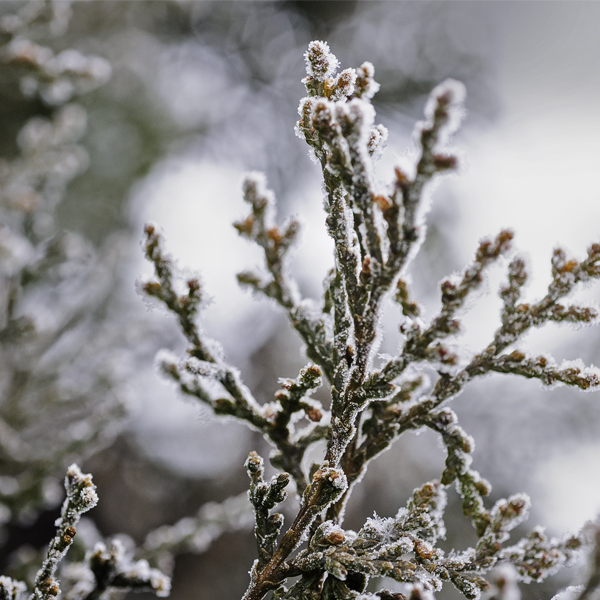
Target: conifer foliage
x=376 y=232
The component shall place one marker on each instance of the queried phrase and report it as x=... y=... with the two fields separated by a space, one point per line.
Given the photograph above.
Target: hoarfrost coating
x=375 y=234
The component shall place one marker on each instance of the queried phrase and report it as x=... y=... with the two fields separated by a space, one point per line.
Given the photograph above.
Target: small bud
x=333 y=482
x=366 y=86
x=344 y=85
x=320 y=62
x=222 y=406
x=152 y=288
x=365 y=272
x=401 y=177
x=313 y=371
x=335 y=537
x=313 y=414
x=483 y=487
x=569 y=266
x=275 y=235
x=445 y=162
x=254 y=463
x=382 y=202
x=245 y=227
x=448 y=291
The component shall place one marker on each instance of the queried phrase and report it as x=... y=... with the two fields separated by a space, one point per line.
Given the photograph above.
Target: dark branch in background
x=54 y=287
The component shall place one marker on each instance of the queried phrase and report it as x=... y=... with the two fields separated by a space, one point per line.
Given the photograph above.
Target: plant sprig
x=375 y=232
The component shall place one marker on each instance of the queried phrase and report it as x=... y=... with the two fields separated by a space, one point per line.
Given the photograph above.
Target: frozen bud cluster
x=320 y=62
x=366 y=86
x=445 y=108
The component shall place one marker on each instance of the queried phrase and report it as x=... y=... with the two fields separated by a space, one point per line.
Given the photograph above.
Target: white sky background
x=535 y=169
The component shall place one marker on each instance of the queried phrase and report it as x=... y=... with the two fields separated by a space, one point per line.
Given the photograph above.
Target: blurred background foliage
x=218 y=83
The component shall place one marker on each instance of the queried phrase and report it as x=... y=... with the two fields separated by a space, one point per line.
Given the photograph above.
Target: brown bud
x=313 y=414
x=275 y=235
x=448 y=289
x=152 y=288
x=270 y=411
x=444 y=162
x=222 y=406
x=365 y=273
x=446 y=356
x=483 y=487
x=382 y=202
x=445 y=97
x=504 y=238
x=254 y=462
x=423 y=550
x=349 y=356
x=335 y=537
x=518 y=505
x=484 y=250
x=392 y=412
x=569 y=266
x=245 y=226
x=329 y=86
x=401 y=177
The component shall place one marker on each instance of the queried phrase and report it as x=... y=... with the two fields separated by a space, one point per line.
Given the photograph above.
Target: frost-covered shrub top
x=376 y=232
